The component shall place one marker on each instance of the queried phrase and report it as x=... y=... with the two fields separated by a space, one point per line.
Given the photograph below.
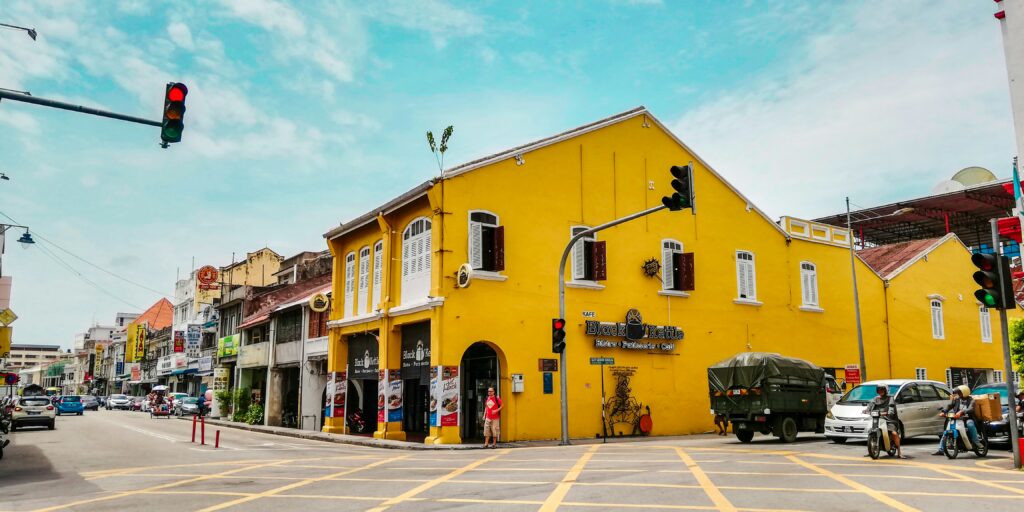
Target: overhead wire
x=125 y=279
x=71 y=269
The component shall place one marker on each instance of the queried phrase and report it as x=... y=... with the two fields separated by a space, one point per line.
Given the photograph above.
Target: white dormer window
x=378 y=262
x=809 y=283
x=938 y=329
x=486 y=242
x=416 y=255
x=350 y=284
x=746 y=276
x=364 y=277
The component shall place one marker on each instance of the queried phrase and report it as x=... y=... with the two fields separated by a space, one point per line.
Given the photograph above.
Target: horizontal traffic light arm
x=26 y=98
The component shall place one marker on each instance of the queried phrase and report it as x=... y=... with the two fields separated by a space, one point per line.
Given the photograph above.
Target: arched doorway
x=480 y=370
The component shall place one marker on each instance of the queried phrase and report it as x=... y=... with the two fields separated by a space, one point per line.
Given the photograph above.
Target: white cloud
x=181 y=35
x=436 y=17
x=882 y=103
x=268 y=14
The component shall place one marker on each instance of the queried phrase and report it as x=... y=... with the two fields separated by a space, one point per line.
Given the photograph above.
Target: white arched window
x=938 y=331
x=350 y=284
x=378 y=262
x=416 y=254
x=746 y=277
x=809 y=283
x=364 y=277
x=486 y=242
x=671 y=253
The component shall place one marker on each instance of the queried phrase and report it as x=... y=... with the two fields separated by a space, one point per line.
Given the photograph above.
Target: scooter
x=956 y=438
x=5 y=428
x=356 y=422
x=879 y=438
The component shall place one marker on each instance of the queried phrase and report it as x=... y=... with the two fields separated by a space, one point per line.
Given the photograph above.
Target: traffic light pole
x=26 y=98
x=561 y=306
x=1007 y=358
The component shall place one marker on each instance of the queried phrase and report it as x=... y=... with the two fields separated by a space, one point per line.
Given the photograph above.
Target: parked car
x=186 y=406
x=917 y=405
x=137 y=402
x=998 y=431
x=70 y=404
x=119 y=402
x=90 y=403
x=771 y=394
x=33 y=410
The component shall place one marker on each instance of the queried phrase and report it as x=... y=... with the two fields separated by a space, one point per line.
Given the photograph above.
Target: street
x=115 y=460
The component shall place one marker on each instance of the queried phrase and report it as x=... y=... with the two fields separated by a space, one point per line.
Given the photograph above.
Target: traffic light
x=174 y=113
x=558 y=335
x=683 y=185
x=994 y=293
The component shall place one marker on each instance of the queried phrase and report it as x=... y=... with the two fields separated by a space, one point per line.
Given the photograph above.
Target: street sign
x=602 y=360
x=547 y=365
x=852 y=374
x=7 y=317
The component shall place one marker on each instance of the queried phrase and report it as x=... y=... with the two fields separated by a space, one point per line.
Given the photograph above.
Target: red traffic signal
x=558 y=335
x=174 y=113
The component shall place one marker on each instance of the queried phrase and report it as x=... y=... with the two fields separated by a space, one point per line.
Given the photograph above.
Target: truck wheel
x=786 y=429
x=745 y=436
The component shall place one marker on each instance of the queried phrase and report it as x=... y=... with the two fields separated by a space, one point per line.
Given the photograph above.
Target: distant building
x=26 y=356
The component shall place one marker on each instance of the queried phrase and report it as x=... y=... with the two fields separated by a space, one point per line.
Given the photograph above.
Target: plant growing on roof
x=439 y=151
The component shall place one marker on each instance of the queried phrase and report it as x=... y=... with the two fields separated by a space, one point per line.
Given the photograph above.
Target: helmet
x=964 y=390
x=881 y=387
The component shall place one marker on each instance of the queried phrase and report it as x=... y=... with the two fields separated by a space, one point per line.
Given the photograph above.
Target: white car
x=33 y=410
x=118 y=401
x=917 y=405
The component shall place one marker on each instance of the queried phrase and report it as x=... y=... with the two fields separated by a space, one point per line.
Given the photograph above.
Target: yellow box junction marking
x=557 y=495
x=716 y=496
x=855 y=485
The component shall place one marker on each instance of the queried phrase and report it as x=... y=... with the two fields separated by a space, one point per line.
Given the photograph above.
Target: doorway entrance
x=479 y=371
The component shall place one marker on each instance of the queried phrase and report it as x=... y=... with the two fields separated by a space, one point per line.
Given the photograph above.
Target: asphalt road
x=111 y=460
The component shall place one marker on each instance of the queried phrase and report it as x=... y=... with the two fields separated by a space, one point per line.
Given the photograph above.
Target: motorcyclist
x=884 y=404
x=961 y=403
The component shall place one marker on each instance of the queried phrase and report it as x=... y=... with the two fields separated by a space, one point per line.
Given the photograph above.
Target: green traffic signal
x=682 y=198
x=995 y=292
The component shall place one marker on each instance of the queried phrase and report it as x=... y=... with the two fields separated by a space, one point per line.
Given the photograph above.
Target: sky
x=302 y=115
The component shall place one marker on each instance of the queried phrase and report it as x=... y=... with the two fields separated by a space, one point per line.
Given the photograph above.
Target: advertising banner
x=435 y=392
x=228 y=346
x=339 y=394
x=99 y=359
x=220 y=378
x=140 y=342
x=5 y=342
x=395 y=395
x=329 y=391
x=136 y=371
x=205 y=363
x=193 y=338
x=382 y=388
x=179 y=341
x=449 y=405
x=90 y=371
x=119 y=368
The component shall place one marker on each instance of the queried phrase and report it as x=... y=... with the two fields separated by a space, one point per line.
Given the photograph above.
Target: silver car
x=917 y=405
x=119 y=402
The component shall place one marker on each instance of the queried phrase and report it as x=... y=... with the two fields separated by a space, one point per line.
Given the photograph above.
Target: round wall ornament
x=652 y=267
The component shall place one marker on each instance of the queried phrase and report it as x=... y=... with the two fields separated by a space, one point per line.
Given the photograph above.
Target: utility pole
x=1007 y=358
x=856 y=296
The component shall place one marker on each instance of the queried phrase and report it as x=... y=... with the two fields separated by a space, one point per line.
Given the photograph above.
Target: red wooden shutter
x=599 y=260
x=499 y=248
x=683 y=264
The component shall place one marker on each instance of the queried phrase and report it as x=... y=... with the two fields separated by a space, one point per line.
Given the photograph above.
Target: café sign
x=635 y=334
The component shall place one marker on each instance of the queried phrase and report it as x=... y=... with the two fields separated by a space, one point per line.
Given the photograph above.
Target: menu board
x=394 y=395
x=339 y=393
x=448 y=407
x=435 y=393
x=382 y=388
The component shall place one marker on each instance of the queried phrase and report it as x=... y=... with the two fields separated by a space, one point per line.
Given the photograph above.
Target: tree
x=1017 y=345
x=439 y=152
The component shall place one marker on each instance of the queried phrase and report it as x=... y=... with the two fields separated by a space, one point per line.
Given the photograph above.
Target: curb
x=337 y=438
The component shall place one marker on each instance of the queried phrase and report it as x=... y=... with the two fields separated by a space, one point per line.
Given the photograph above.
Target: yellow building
x=420 y=347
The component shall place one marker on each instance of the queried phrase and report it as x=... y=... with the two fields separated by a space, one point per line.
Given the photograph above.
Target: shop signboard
x=220 y=378
x=450 y=396
x=207 y=277
x=228 y=346
x=435 y=393
x=179 y=341
x=140 y=342
x=119 y=368
x=395 y=397
x=165 y=365
x=363 y=362
x=136 y=371
x=416 y=352
x=382 y=389
x=635 y=334
x=180 y=361
x=205 y=363
x=193 y=338
x=852 y=375
x=5 y=342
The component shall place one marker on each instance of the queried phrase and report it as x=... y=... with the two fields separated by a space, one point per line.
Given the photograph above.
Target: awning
x=261 y=319
x=184 y=371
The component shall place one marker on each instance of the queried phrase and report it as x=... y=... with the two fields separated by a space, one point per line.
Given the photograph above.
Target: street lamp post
x=31 y=31
x=25 y=240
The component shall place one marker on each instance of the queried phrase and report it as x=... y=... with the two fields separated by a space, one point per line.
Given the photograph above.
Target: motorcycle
x=356 y=423
x=5 y=427
x=879 y=438
x=956 y=438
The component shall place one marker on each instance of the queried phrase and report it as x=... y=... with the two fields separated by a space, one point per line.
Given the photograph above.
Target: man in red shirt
x=492 y=419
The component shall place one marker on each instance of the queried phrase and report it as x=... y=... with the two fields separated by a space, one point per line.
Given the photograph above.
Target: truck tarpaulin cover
x=749 y=369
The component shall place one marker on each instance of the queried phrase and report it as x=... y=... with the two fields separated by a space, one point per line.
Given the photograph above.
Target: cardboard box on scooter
x=987 y=407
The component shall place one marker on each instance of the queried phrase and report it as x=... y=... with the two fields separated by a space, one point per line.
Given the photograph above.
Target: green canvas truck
x=769 y=393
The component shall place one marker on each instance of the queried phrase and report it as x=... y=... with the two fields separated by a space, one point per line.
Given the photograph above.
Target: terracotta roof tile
x=158 y=316
x=887 y=259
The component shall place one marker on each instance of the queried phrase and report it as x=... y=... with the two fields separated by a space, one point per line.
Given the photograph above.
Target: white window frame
x=746 y=278
x=350 y=284
x=938 y=325
x=669 y=247
x=809 y=285
x=921 y=373
x=364 y=277
x=997 y=376
x=579 y=257
x=416 y=257
x=476 y=237
x=378 y=264
x=985 y=318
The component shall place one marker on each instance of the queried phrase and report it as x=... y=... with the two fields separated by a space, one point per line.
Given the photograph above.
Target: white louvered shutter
x=751 y=280
x=667 y=273
x=579 y=260
x=378 y=260
x=476 y=237
x=812 y=278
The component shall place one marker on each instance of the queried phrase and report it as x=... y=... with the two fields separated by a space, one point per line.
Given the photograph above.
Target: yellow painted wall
x=257 y=270
x=946 y=272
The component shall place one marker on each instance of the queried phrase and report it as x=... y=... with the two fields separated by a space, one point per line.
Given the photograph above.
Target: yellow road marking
x=300 y=483
x=427 y=485
x=895 y=463
x=160 y=487
x=757 y=473
x=613 y=506
x=557 y=495
x=986 y=483
x=716 y=496
x=186 y=475
x=855 y=485
x=107 y=473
